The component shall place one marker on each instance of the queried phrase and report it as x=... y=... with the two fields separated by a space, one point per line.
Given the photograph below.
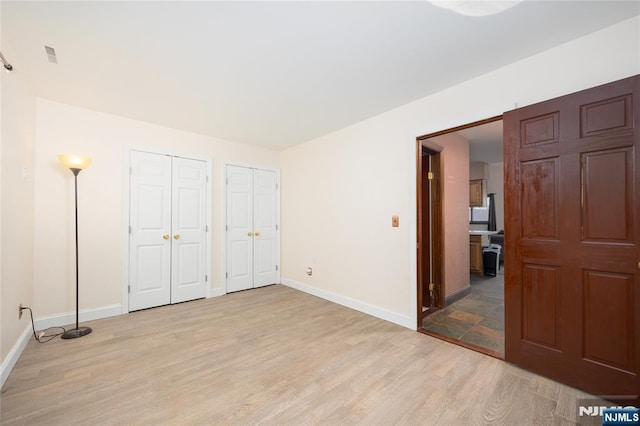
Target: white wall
x=67 y=129
x=17 y=194
x=478 y=170
x=340 y=190
x=338 y=197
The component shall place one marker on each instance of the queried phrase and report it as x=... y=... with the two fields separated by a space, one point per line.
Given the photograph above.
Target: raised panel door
x=265 y=247
x=572 y=285
x=150 y=227
x=189 y=230
x=239 y=228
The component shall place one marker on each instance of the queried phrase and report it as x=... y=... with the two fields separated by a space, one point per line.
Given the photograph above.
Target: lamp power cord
x=43 y=337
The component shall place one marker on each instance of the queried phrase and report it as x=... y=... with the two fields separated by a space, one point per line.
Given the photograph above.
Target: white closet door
x=189 y=221
x=150 y=221
x=239 y=228
x=265 y=245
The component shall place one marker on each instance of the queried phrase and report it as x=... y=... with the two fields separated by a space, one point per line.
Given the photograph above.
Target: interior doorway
x=466 y=308
x=572 y=239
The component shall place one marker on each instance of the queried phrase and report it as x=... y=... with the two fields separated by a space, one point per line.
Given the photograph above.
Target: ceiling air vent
x=51 y=54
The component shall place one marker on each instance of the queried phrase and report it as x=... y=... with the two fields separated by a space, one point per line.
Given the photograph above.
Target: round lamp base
x=76 y=332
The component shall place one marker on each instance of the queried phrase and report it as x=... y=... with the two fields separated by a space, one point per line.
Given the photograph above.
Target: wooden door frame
x=424 y=142
x=438 y=241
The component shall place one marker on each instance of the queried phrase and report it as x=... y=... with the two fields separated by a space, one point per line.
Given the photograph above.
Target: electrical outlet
x=20 y=308
x=309 y=271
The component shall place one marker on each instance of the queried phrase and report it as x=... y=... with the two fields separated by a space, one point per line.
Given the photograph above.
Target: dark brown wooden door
x=427 y=259
x=572 y=239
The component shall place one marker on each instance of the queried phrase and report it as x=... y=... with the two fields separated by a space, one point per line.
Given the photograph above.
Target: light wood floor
x=273 y=356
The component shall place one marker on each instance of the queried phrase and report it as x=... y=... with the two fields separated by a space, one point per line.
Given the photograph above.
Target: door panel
x=608 y=303
x=540 y=199
x=189 y=221
x=264 y=223
x=239 y=228
x=606 y=116
x=150 y=221
x=572 y=284
x=541 y=305
x=239 y=260
x=607 y=190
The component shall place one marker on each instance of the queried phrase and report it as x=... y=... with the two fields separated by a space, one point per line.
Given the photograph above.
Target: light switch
x=395 y=221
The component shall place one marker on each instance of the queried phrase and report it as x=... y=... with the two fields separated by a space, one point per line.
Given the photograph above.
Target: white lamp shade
x=71 y=161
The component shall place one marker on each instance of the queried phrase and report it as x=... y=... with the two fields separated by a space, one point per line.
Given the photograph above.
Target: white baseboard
x=366 y=308
x=14 y=354
x=57 y=320
x=60 y=320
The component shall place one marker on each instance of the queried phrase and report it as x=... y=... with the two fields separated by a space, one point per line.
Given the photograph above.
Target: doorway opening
x=466 y=308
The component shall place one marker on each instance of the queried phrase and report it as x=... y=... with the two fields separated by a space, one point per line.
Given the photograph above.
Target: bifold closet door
x=167 y=233
x=265 y=271
x=188 y=230
x=251 y=228
x=149 y=232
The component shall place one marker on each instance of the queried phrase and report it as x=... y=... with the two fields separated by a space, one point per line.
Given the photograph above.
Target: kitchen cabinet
x=477 y=193
x=475 y=254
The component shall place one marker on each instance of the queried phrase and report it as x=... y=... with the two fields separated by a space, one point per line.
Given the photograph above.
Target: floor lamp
x=75 y=163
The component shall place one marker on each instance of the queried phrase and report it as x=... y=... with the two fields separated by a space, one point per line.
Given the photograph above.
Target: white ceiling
x=273 y=73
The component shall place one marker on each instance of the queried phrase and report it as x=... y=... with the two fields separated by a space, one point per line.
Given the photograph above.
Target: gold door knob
x=165 y=236
x=257 y=233
x=176 y=236
x=250 y=234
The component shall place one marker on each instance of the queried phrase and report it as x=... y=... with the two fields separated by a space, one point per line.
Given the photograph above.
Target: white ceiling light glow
x=476 y=7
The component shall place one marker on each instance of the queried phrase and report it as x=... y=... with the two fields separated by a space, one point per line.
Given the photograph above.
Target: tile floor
x=477 y=318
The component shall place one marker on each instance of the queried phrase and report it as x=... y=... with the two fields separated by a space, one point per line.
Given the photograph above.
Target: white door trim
x=223 y=179
x=126 y=199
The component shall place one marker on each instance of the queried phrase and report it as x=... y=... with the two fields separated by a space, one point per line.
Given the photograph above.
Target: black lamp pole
x=78 y=331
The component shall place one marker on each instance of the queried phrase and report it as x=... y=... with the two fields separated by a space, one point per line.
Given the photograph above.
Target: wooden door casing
x=572 y=285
